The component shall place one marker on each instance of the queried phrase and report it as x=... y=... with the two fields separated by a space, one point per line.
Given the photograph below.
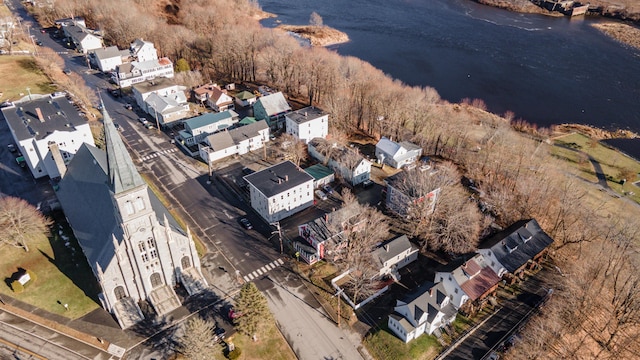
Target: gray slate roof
x=518 y=244
x=248 y=131
x=85 y=197
x=122 y=172
x=110 y=52
x=278 y=178
x=427 y=299
x=58 y=114
x=220 y=141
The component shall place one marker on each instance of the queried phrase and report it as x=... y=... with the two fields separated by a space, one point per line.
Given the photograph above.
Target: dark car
x=327 y=189
x=220 y=332
x=67 y=71
x=367 y=183
x=115 y=93
x=39 y=43
x=12 y=148
x=246 y=223
x=128 y=106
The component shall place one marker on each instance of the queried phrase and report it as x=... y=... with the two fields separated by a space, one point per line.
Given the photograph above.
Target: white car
x=321 y=195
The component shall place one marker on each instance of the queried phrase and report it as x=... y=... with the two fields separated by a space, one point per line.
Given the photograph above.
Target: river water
x=546 y=70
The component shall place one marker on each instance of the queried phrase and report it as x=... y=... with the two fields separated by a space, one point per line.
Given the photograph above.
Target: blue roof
x=209 y=118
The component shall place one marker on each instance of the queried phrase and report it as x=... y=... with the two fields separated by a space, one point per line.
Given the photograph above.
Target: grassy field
x=62 y=274
x=612 y=162
x=20 y=73
x=383 y=345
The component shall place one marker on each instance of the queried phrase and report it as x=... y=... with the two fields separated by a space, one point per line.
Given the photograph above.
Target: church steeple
x=123 y=175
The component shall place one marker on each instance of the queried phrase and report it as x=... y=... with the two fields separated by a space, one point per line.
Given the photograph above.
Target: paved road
x=35 y=339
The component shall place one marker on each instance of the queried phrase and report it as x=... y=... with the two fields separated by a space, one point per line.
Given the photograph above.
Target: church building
x=134 y=246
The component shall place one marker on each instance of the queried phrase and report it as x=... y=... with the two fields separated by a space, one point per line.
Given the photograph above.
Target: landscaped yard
x=62 y=274
x=270 y=345
x=20 y=73
x=383 y=345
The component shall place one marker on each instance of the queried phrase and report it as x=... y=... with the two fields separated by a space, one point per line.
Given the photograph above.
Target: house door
x=156 y=280
x=119 y=292
x=185 y=262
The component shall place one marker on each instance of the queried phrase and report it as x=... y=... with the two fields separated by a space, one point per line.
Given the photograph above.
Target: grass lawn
x=611 y=161
x=20 y=73
x=383 y=345
x=270 y=345
x=62 y=274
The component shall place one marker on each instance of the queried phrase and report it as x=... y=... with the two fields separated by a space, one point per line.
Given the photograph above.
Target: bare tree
x=198 y=341
x=21 y=222
x=315 y=19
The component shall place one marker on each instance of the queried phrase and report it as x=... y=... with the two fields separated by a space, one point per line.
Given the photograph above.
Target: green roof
x=245 y=95
x=247 y=120
x=318 y=171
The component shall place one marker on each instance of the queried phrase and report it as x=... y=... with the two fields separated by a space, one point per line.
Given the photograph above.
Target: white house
x=199 y=127
x=424 y=311
x=240 y=140
x=245 y=98
x=218 y=100
x=48 y=131
x=397 y=154
x=403 y=193
x=465 y=280
x=346 y=162
x=107 y=59
x=394 y=255
x=167 y=109
x=143 y=50
x=322 y=175
x=77 y=32
x=511 y=250
x=308 y=123
x=136 y=72
x=135 y=248
x=272 y=108
x=280 y=191
x=160 y=86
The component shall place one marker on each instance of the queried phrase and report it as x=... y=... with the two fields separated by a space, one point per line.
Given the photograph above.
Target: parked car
x=327 y=189
x=321 y=195
x=367 y=183
x=117 y=126
x=220 y=333
x=143 y=121
x=115 y=93
x=12 y=148
x=128 y=106
x=39 y=43
x=67 y=71
x=246 y=223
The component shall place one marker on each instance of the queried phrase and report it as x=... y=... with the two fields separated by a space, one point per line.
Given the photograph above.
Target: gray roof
x=428 y=299
x=220 y=141
x=248 y=131
x=154 y=85
x=274 y=104
x=518 y=244
x=393 y=248
x=86 y=200
x=392 y=148
x=110 y=52
x=307 y=114
x=57 y=112
x=123 y=175
x=278 y=178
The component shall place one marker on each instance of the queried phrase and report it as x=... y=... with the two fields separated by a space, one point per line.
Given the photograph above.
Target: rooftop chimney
x=39 y=112
x=386 y=247
x=286 y=178
x=431 y=292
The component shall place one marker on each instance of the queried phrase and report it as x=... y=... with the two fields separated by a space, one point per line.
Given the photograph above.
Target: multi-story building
x=308 y=123
x=280 y=191
x=346 y=162
x=48 y=131
x=136 y=72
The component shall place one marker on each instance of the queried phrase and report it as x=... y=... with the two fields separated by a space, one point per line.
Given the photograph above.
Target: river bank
x=317 y=35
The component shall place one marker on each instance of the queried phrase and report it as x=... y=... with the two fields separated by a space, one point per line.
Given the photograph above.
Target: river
x=546 y=70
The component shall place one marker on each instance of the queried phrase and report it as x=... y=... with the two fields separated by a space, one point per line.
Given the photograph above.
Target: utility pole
x=279 y=232
x=339 y=294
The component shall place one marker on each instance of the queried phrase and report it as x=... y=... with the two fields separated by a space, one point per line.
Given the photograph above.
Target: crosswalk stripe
x=280 y=261
x=254 y=274
x=259 y=271
x=269 y=267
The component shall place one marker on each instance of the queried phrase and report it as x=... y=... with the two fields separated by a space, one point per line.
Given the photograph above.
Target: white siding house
x=396 y=154
x=280 y=191
x=346 y=162
x=465 y=280
x=159 y=86
x=107 y=59
x=48 y=131
x=143 y=50
x=424 y=311
x=136 y=72
x=199 y=127
x=394 y=255
x=308 y=123
x=239 y=141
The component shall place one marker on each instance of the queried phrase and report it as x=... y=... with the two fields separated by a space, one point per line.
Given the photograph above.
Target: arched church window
x=156 y=280
x=141 y=247
x=119 y=292
x=139 y=203
x=128 y=206
x=150 y=243
x=185 y=262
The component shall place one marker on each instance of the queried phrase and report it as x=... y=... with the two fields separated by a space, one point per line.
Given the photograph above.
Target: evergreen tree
x=198 y=341
x=254 y=312
x=182 y=65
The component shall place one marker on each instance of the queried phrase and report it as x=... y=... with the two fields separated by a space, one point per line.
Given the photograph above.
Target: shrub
x=235 y=354
x=17 y=287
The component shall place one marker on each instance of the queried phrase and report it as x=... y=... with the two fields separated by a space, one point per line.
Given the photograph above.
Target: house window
x=154 y=254
x=449 y=277
x=144 y=257
x=150 y=243
x=493 y=263
x=456 y=290
x=141 y=247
